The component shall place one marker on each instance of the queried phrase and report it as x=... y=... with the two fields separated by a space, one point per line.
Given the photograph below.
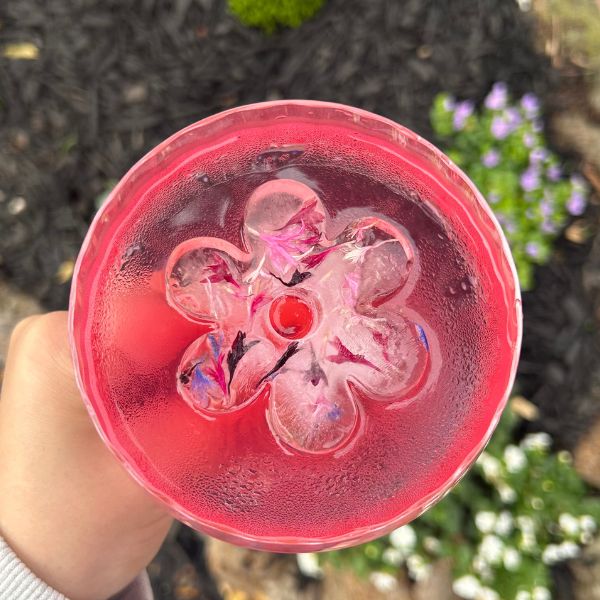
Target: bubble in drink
x=296 y=323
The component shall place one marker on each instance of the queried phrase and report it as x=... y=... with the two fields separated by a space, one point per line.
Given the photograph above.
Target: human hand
x=68 y=508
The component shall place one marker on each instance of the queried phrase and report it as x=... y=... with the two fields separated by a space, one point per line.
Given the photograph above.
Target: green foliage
x=503 y=150
x=269 y=15
x=519 y=510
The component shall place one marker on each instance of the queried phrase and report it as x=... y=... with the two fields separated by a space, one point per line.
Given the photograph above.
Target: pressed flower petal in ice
x=490 y=159
x=344 y=355
x=314 y=260
x=353 y=346
x=463 y=111
x=496 y=99
x=308 y=215
x=257 y=301
x=287 y=244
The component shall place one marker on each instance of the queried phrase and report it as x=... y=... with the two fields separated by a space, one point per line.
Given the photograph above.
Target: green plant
x=503 y=150
x=269 y=15
x=519 y=510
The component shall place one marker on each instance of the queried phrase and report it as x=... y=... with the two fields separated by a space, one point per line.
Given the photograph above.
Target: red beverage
x=296 y=323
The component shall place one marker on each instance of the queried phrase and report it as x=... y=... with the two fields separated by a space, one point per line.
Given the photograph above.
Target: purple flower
x=500 y=128
x=546 y=208
x=531 y=105
x=496 y=99
x=449 y=103
x=548 y=227
x=530 y=179
x=528 y=139
x=463 y=111
x=506 y=123
x=532 y=249
x=491 y=159
x=530 y=213
x=537 y=126
x=554 y=173
x=510 y=227
x=514 y=117
x=493 y=198
x=576 y=203
x=538 y=155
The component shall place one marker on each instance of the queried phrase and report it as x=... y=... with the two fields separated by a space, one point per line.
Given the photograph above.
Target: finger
x=39 y=363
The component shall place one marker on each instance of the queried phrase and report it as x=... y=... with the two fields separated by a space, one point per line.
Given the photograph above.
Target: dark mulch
x=114 y=78
x=560 y=362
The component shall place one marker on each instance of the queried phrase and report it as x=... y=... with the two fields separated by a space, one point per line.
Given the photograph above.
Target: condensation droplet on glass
x=203 y=178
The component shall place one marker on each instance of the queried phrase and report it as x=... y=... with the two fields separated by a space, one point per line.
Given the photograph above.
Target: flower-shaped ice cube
x=315 y=322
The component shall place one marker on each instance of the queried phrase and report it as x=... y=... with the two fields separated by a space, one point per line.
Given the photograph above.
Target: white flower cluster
x=514 y=458
x=488 y=522
x=504 y=538
x=528 y=541
x=515 y=461
x=404 y=541
x=384 y=582
x=554 y=553
x=470 y=588
x=537 y=593
x=539 y=442
x=308 y=563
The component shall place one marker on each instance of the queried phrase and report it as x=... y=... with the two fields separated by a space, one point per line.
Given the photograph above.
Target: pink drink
x=296 y=323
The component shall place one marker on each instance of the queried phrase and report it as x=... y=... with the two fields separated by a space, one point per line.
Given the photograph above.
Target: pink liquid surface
x=228 y=473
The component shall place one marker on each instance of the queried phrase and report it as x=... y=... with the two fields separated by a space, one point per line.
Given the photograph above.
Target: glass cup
x=295 y=323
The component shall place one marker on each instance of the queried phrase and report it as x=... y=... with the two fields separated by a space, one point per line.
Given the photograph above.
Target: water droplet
x=203 y=178
x=130 y=253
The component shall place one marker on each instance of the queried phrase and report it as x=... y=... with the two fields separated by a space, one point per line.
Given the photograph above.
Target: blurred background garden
x=509 y=90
